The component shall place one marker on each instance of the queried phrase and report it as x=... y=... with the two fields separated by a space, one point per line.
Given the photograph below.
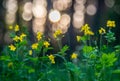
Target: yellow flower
x=46 y=44
x=78 y=38
x=34 y=46
x=10 y=64
x=89 y=32
x=52 y=58
x=54 y=35
x=16 y=28
x=74 y=56
x=10 y=27
x=39 y=36
x=86 y=29
x=22 y=36
x=102 y=31
x=12 y=47
x=111 y=24
x=57 y=33
x=30 y=52
x=16 y=38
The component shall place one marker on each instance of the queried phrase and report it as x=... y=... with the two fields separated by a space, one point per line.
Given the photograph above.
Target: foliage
x=24 y=60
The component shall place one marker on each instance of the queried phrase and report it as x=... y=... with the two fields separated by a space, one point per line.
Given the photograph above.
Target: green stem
x=100 y=42
x=89 y=41
x=61 y=57
x=69 y=75
x=59 y=43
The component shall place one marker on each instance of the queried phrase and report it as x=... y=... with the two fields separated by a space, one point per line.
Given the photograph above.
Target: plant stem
x=59 y=43
x=100 y=42
x=89 y=41
x=69 y=75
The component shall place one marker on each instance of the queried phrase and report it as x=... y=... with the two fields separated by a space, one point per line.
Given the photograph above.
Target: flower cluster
x=32 y=60
x=19 y=38
x=86 y=29
x=46 y=44
x=102 y=31
x=52 y=58
x=57 y=33
x=12 y=47
x=39 y=36
x=111 y=24
x=16 y=28
x=34 y=46
x=74 y=56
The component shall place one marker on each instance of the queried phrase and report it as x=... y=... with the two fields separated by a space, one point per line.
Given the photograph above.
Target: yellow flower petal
x=102 y=31
x=57 y=33
x=111 y=24
x=10 y=27
x=52 y=58
x=78 y=38
x=74 y=56
x=12 y=47
x=86 y=29
x=39 y=36
x=34 y=46
x=16 y=28
x=46 y=44
x=16 y=38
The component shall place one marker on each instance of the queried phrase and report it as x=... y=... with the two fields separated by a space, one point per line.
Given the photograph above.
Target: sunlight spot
x=54 y=16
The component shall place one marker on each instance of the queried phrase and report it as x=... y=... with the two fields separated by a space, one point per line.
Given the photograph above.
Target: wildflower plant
x=24 y=60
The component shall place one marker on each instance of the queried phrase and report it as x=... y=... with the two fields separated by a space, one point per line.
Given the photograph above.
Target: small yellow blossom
x=10 y=27
x=22 y=37
x=78 y=38
x=111 y=24
x=12 y=47
x=16 y=28
x=86 y=29
x=16 y=38
x=46 y=44
x=89 y=32
x=10 y=64
x=55 y=36
x=34 y=46
x=52 y=58
x=102 y=31
x=30 y=52
x=57 y=33
x=39 y=36
x=74 y=56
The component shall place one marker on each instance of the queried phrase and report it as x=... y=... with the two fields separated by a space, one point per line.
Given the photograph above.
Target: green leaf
x=110 y=36
x=12 y=34
x=63 y=50
x=87 y=49
x=116 y=71
x=72 y=67
x=5 y=58
x=31 y=70
x=108 y=59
